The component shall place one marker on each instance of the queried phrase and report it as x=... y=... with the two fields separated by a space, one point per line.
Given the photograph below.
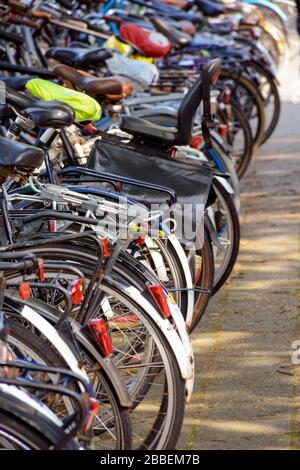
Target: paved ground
x=246 y=389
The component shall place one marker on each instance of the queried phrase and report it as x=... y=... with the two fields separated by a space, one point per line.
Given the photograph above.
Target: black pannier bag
x=189 y=179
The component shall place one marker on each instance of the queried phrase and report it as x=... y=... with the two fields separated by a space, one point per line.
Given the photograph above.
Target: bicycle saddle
x=18 y=155
x=176 y=37
x=16 y=83
x=76 y=56
x=43 y=113
x=210 y=8
x=50 y=114
x=220 y=27
x=182 y=134
x=151 y=43
x=112 y=88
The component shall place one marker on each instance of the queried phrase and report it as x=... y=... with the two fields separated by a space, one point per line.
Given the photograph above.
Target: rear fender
x=172 y=337
x=106 y=364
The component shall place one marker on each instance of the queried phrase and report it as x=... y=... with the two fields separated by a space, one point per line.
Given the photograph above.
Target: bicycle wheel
x=19 y=431
x=272 y=103
x=202 y=267
x=157 y=388
x=226 y=221
x=239 y=137
x=111 y=428
x=247 y=95
x=140 y=352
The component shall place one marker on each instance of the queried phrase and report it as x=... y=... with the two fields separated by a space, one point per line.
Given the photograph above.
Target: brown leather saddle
x=111 y=88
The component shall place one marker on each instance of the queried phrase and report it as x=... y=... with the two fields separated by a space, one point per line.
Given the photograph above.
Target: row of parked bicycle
x=125 y=129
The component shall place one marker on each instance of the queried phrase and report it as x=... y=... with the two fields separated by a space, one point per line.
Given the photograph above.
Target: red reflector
x=196 y=141
x=118 y=186
x=160 y=298
x=101 y=336
x=140 y=241
x=227 y=96
x=105 y=247
x=7 y=356
x=215 y=78
x=24 y=291
x=94 y=408
x=126 y=319
x=76 y=291
x=41 y=269
x=51 y=226
x=198 y=275
x=223 y=130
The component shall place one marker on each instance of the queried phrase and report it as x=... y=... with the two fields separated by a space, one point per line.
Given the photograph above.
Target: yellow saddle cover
x=85 y=107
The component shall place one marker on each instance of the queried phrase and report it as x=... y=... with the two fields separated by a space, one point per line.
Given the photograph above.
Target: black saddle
x=79 y=56
x=44 y=114
x=47 y=114
x=182 y=134
x=143 y=128
x=176 y=37
x=16 y=83
x=210 y=7
x=17 y=155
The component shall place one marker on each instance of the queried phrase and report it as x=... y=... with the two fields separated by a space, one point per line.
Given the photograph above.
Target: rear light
x=94 y=409
x=105 y=247
x=41 y=269
x=24 y=290
x=98 y=329
x=90 y=128
x=196 y=141
x=76 y=291
x=158 y=294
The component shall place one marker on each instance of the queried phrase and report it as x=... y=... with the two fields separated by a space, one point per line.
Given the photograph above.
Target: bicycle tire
x=253 y=91
x=270 y=127
x=243 y=163
x=41 y=350
x=220 y=280
x=29 y=428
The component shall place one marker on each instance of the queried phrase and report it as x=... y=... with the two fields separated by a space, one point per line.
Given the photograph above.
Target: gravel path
x=246 y=389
